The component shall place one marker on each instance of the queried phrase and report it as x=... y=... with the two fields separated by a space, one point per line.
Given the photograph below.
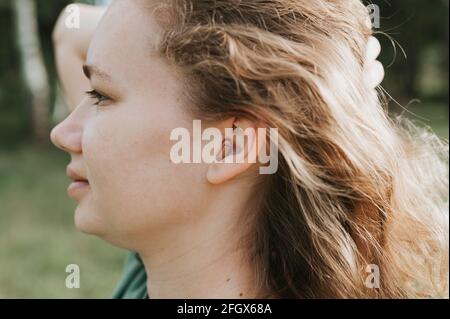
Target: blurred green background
x=37 y=236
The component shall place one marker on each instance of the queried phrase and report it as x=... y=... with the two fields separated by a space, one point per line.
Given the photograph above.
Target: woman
x=357 y=206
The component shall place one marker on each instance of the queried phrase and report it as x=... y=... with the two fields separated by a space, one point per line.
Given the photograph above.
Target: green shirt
x=133 y=283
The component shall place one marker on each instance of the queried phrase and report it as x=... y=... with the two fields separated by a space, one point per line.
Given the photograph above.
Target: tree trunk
x=33 y=66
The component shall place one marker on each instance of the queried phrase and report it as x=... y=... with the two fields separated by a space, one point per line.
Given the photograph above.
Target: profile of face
x=118 y=136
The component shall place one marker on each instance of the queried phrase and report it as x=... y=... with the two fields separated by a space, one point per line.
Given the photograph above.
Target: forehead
x=127 y=33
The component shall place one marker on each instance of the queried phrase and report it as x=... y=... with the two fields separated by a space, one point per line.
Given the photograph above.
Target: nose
x=67 y=136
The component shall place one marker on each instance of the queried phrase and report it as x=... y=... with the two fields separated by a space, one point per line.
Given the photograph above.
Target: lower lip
x=78 y=188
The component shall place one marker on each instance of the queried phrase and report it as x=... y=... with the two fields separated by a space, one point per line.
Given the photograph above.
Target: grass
x=38 y=235
x=37 y=230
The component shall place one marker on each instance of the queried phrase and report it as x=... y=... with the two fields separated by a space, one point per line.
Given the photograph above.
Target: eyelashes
x=98 y=97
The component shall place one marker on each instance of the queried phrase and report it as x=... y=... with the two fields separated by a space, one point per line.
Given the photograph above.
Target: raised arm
x=70 y=46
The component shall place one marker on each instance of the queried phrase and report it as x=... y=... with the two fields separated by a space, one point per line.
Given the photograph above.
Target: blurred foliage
x=15 y=108
x=417 y=62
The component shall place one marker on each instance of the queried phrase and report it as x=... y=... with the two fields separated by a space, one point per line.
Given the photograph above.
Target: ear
x=239 y=150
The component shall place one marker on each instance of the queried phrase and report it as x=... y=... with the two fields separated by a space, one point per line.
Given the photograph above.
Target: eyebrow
x=89 y=70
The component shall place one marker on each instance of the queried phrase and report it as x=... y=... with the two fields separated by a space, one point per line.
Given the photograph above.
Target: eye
x=97 y=96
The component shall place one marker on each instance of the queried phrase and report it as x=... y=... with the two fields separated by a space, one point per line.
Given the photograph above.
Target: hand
x=71 y=46
x=374 y=70
x=78 y=38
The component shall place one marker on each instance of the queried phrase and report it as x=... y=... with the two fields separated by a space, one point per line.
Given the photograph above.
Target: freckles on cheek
x=116 y=153
x=98 y=153
x=127 y=149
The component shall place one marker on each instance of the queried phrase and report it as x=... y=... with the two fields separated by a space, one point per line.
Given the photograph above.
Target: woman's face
x=120 y=141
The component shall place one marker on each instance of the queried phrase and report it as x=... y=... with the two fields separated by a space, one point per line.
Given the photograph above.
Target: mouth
x=79 y=185
x=77 y=188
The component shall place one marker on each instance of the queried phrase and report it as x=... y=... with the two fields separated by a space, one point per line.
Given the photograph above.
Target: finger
x=375 y=74
x=373 y=49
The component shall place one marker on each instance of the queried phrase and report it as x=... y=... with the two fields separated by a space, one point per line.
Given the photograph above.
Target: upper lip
x=74 y=175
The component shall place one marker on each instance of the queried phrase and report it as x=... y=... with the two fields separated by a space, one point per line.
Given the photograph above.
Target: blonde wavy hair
x=354 y=186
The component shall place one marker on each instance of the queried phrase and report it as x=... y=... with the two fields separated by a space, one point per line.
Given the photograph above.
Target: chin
x=86 y=222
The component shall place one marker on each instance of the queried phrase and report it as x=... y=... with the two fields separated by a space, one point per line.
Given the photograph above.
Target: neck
x=202 y=259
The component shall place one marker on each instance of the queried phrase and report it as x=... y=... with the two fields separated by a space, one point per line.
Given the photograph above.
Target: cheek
x=133 y=181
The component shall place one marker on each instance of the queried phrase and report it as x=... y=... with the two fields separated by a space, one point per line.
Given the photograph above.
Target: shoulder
x=133 y=282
